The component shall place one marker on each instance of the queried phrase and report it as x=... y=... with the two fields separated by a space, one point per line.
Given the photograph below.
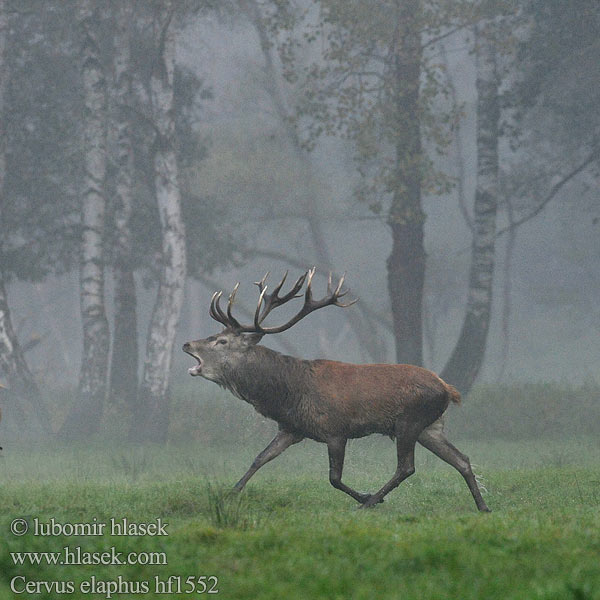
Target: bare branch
x=552 y=193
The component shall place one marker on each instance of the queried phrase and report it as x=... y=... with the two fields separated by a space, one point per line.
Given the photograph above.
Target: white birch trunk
x=467 y=356
x=152 y=419
x=85 y=417
x=13 y=368
x=124 y=359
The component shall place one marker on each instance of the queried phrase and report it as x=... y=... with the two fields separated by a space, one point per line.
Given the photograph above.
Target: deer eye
x=222 y=341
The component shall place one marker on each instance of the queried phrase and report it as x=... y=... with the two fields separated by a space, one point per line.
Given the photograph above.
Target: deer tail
x=453 y=393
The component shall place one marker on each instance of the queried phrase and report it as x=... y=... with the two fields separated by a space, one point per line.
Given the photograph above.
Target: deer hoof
x=368 y=502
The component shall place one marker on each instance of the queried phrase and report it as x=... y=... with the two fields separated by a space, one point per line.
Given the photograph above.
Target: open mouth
x=197 y=370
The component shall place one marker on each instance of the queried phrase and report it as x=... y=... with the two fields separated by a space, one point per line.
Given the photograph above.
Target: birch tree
x=124 y=358
x=85 y=416
x=467 y=357
x=152 y=411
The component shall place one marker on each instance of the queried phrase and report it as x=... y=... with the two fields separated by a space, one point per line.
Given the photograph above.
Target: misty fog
x=261 y=194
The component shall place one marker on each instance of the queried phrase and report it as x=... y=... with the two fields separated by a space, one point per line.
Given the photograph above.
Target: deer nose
x=186 y=347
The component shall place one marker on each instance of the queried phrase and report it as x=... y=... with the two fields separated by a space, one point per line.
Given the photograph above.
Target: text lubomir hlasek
x=116 y=527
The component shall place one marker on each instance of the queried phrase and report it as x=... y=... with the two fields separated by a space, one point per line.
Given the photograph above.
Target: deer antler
x=268 y=302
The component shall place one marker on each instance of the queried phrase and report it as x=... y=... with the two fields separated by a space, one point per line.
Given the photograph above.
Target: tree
x=362 y=325
x=45 y=161
x=124 y=357
x=151 y=419
x=86 y=415
x=467 y=357
x=556 y=128
x=12 y=359
x=377 y=85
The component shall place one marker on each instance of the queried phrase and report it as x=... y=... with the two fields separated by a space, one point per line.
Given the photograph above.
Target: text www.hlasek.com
x=77 y=556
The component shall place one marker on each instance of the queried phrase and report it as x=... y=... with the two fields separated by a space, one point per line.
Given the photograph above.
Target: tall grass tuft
x=228 y=508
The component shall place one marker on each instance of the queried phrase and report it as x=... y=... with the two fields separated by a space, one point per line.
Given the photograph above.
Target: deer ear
x=253 y=338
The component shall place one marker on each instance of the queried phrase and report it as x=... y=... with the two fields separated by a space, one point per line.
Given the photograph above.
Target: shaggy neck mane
x=270 y=381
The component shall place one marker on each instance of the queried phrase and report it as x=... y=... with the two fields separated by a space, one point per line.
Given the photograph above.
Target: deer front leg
x=406 y=437
x=337 y=451
x=278 y=444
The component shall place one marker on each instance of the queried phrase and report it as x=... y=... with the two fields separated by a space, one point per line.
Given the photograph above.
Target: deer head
x=227 y=348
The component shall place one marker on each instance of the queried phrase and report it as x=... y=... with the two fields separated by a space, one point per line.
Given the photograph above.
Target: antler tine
x=338 y=289
x=292 y=293
x=215 y=310
x=308 y=293
x=232 y=320
x=211 y=310
x=273 y=300
x=257 y=317
x=267 y=302
x=261 y=284
x=280 y=284
x=347 y=303
x=223 y=316
x=296 y=287
x=339 y=294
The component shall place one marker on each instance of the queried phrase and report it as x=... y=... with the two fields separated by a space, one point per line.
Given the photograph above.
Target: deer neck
x=272 y=382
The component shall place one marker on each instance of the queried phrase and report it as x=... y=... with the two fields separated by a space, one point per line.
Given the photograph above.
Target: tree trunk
x=124 y=360
x=467 y=357
x=85 y=417
x=21 y=384
x=406 y=263
x=13 y=366
x=152 y=414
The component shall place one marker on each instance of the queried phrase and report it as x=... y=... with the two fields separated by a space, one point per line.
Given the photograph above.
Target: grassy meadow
x=291 y=535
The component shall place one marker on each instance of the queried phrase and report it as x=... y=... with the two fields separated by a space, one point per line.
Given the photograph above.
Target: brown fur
x=364 y=399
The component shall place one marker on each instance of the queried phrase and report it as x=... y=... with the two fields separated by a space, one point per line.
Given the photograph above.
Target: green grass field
x=291 y=535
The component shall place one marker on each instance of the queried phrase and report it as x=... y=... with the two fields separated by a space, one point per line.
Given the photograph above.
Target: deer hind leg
x=278 y=444
x=433 y=439
x=337 y=450
x=406 y=438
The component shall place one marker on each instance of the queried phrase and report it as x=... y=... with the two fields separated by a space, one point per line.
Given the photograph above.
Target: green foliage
x=555 y=37
x=556 y=88
x=39 y=227
x=42 y=110
x=376 y=83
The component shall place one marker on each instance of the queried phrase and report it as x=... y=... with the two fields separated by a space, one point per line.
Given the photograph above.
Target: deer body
x=325 y=400
x=321 y=399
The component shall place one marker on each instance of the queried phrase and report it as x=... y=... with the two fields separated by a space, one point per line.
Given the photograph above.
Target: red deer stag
x=324 y=400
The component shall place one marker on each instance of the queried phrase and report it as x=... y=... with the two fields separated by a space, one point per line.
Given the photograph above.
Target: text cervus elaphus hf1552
x=325 y=400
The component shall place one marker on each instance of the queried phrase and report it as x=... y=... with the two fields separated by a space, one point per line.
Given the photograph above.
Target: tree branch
x=554 y=190
x=443 y=36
